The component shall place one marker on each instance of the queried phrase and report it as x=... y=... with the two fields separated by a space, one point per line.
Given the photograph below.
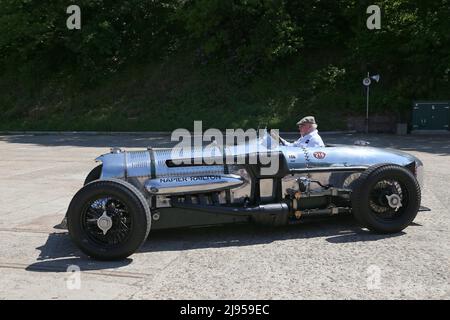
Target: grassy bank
x=159 y=65
x=172 y=94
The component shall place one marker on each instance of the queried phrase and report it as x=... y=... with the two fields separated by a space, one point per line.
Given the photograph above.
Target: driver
x=309 y=135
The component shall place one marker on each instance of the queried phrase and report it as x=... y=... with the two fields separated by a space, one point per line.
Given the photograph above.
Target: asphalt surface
x=325 y=259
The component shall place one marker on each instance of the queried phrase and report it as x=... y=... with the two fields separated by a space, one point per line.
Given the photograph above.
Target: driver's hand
x=274 y=135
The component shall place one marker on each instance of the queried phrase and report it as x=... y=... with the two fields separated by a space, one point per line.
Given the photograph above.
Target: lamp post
x=367 y=82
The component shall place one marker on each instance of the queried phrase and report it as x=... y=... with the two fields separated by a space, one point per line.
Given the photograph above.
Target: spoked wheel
x=108 y=219
x=386 y=198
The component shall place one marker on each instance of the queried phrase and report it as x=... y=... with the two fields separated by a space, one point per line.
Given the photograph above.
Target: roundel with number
x=319 y=155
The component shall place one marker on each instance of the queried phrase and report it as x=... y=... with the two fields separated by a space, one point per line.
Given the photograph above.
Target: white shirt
x=310 y=140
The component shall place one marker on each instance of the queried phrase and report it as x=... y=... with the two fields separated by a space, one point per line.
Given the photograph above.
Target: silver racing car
x=131 y=192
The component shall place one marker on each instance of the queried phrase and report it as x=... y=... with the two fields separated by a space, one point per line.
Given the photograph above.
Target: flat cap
x=308 y=119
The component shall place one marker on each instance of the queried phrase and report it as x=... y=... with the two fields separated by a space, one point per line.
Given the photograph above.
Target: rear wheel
x=108 y=219
x=386 y=198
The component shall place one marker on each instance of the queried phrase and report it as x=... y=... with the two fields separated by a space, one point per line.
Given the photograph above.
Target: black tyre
x=386 y=198
x=108 y=219
x=93 y=175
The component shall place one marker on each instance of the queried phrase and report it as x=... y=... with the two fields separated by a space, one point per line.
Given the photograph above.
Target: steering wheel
x=280 y=141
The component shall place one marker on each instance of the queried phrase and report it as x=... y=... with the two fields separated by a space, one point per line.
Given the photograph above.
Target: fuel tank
x=154 y=163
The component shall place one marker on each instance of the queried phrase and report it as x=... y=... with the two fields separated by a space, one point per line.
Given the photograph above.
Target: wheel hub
x=386 y=195
x=104 y=223
x=394 y=201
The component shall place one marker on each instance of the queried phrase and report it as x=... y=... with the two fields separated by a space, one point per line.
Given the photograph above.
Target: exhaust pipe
x=273 y=214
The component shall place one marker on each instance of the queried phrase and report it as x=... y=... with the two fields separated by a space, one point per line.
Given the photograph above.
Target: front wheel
x=108 y=219
x=386 y=198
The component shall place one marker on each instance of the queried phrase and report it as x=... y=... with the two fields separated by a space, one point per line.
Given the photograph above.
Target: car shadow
x=339 y=229
x=58 y=253
x=83 y=263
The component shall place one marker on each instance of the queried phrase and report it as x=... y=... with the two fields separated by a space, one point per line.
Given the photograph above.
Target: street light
x=367 y=82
